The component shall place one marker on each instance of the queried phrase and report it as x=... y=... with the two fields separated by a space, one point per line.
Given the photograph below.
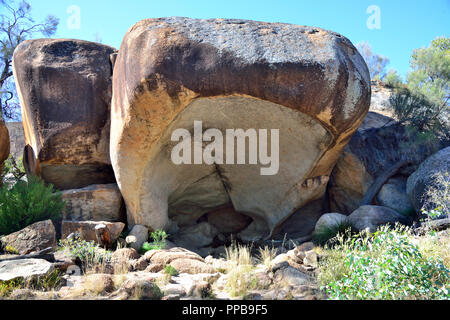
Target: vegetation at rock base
x=48 y=282
x=169 y=270
x=88 y=252
x=383 y=265
x=324 y=235
x=159 y=241
x=26 y=203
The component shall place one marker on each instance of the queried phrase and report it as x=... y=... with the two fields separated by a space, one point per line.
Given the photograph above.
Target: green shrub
x=159 y=241
x=392 y=79
x=386 y=265
x=14 y=167
x=171 y=271
x=26 y=203
x=47 y=282
x=88 y=252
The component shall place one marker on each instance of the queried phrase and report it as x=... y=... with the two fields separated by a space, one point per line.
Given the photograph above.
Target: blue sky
x=405 y=25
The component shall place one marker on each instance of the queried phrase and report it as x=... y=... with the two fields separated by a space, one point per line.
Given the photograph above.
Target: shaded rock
x=307 y=246
x=372 y=151
x=260 y=75
x=393 y=195
x=137 y=237
x=290 y=276
x=228 y=220
x=329 y=221
x=196 y=236
x=302 y=222
x=101 y=202
x=86 y=229
x=16 y=138
x=64 y=87
x=141 y=289
x=424 y=178
x=63 y=260
x=4 y=144
x=372 y=217
x=24 y=269
x=35 y=237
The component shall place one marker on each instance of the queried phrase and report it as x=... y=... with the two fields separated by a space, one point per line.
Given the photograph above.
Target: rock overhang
x=181 y=61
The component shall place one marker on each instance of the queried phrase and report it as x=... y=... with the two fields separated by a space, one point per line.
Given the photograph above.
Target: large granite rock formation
x=309 y=83
x=65 y=93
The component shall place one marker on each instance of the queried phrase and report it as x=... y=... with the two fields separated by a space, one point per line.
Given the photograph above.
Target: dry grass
x=240 y=267
x=435 y=245
x=266 y=255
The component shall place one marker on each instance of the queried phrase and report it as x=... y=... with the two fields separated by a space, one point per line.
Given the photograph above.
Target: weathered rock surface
x=329 y=220
x=227 y=220
x=373 y=149
x=196 y=236
x=309 y=83
x=393 y=195
x=372 y=217
x=424 y=178
x=4 y=144
x=16 y=138
x=101 y=202
x=24 y=269
x=137 y=237
x=64 y=88
x=35 y=237
x=86 y=229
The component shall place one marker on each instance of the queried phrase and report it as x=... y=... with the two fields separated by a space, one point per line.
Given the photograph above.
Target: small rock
x=191 y=266
x=329 y=221
x=141 y=289
x=291 y=276
x=311 y=259
x=307 y=246
x=372 y=217
x=141 y=236
x=196 y=236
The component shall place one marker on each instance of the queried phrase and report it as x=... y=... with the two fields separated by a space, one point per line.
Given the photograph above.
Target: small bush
x=13 y=167
x=88 y=252
x=48 y=282
x=386 y=265
x=171 y=271
x=392 y=79
x=418 y=112
x=159 y=241
x=26 y=203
